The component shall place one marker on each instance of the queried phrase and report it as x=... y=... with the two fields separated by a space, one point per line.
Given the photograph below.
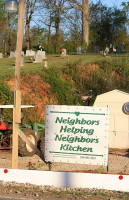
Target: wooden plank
x=12 y=106
x=27 y=141
x=20 y=34
x=33 y=147
x=17 y=95
x=15 y=142
x=18 y=107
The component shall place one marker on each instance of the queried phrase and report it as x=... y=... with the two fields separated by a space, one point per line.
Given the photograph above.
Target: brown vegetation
x=35 y=91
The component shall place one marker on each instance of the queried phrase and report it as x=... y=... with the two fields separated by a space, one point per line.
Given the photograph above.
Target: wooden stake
x=15 y=142
x=18 y=107
x=17 y=97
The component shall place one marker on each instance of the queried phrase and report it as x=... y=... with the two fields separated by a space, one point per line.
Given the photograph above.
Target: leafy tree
x=83 y=6
x=74 y=33
x=2 y=26
x=55 y=12
x=8 y=24
x=30 y=7
x=38 y=36
x=107 y=25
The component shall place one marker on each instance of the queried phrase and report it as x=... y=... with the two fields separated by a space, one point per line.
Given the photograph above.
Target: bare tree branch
x=77 y=3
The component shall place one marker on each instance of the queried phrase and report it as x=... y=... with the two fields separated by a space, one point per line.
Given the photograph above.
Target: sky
x=111 y=3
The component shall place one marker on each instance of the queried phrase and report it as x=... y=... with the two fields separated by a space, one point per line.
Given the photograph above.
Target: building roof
x=116 y=91
x=113 y=96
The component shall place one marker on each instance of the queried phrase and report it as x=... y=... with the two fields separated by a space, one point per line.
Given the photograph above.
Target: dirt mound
x=37 y=92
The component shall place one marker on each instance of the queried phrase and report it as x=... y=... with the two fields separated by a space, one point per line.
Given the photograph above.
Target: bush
x=61 y=88
x=6 y=98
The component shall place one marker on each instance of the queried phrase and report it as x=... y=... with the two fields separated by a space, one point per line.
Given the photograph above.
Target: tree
x=74 y=32
x=38 y=36
x=30 y=7
x=2 y=26
x=126 y=41
x=107 y=25
x=56 y=10
x=100 y=24
x=58 y=6
x=84 y=8
x=7 y=30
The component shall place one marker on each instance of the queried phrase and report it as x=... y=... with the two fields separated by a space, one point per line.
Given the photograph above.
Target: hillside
x=64 y=81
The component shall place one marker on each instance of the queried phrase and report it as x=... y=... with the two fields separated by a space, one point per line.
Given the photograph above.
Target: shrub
x=6 y=98
x=61 y=88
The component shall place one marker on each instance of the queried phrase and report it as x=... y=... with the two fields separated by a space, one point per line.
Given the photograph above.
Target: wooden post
x=17 y=96
x=15 y=142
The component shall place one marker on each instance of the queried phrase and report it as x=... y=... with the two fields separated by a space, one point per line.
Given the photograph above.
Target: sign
x=77 y=134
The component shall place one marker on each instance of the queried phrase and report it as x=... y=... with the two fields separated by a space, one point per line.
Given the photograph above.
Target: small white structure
x=106 y=50
x=79 y=50
x=1 y=55
x=12 y=54
x=63 y=53
x=40 y=55
x=30 y=53
x=45 y=63
x=119 y=120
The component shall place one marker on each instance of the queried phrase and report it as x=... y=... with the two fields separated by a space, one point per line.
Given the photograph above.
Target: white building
x=119 y=117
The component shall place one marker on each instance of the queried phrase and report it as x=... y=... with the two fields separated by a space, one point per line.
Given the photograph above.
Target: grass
x=74 y=76
x=99 y=193
x=43 y=192
x=6 y=67
x=7 y=64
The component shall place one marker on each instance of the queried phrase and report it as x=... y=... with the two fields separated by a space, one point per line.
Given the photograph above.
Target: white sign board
x=77 y=134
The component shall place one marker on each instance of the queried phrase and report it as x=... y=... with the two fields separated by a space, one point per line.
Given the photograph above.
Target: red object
x=120 y=177
x=85 y=97
x=3 y=126
x=30 y=163
x=5 y=171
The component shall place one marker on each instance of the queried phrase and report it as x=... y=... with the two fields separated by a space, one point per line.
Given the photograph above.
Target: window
x=126 y=108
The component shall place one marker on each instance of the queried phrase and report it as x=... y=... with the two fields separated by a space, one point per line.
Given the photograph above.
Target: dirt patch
x=35 y=91
x=118 y=164
x=32 y=192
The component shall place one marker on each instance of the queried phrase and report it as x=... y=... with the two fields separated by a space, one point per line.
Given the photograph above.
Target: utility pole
x=17 y=93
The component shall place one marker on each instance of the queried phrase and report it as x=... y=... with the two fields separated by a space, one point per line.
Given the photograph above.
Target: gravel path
x=118 y=163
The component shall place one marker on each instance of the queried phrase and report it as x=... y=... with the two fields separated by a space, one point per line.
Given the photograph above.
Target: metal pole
x=17 y=93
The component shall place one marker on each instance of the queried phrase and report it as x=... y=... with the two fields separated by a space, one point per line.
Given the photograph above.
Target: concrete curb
x=66 y=179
